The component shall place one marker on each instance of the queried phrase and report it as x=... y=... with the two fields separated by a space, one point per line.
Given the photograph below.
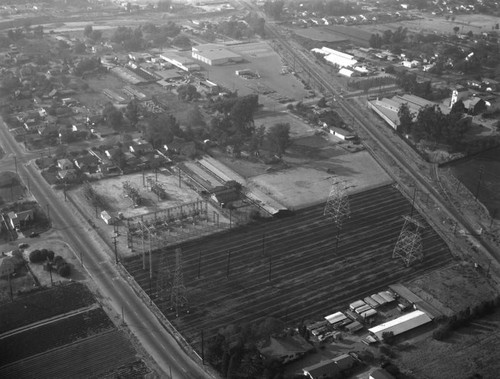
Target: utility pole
x=199 y=264
x=116 y=250
x=202 y=348
x=481 y=170
x=228 y=261
x=413 y=202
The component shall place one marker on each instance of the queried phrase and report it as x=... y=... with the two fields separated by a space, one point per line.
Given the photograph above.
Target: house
x=6 y=266
x=380 y=373
x=67 y=174
x=181 y=146
x=286 y=349
x=141 y=148
x=323 y=370
x=20 y=219
x=64 y=164
x=344 y=362
x=223 y=195
x=87 y=163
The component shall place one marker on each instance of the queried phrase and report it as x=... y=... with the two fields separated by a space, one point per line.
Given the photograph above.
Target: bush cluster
x=39 y=256
x=54 y=262
x=464 y=317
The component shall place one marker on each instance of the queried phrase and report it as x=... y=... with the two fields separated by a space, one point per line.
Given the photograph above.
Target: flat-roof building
x=215 y=55
x=184 y=63
x=401 y=324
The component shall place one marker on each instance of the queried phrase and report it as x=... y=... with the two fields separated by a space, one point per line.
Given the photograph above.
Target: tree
x=181 y=41
x=112 y=116
x=79 y=48
x=456 y=29
x=187 y=92
x=164 y=5
x=274 y=8
x=405 y=119
x=161 y=129
x=458 y=107
x=278 y=137
x=64 y=270
x=195 y=117
x=36 y=256
x=132 y=112
x=257 y=140
x=375 y=41
x=87 y=31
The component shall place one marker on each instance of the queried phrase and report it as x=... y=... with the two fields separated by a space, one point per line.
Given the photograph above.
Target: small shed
x=356 y=304
x=107 y=218
x=335 y=318
x=354 y=327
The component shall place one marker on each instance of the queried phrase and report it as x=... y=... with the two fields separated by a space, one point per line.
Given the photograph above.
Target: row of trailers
x=351 y=320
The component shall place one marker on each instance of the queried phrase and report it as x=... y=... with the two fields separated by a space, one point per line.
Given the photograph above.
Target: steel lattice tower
x=337 y=206
x=409 y=244
x=164 y=280
x=178 y=296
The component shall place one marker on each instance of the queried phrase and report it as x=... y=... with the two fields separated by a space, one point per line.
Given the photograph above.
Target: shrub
x=50 y=255
x=58 y=260
x=64 y=270
x=36 y=256
x=388 y=337
x=384 y=349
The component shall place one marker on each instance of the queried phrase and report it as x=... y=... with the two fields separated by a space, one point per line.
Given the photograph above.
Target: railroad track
x=398 y=157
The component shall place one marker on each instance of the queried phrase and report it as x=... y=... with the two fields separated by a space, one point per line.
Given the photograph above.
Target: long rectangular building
x=214 y=55
x=401 y=324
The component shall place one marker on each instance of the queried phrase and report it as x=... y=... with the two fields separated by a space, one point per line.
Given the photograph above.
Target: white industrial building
x=179 y=61
x=214 y=55
x=388 y=108
x=335 y=57
x=401 y=324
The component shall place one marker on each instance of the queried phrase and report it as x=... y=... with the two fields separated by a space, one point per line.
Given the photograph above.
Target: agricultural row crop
x=102 y=353
x=298 y=268
x=43 y=304
x=53 y=334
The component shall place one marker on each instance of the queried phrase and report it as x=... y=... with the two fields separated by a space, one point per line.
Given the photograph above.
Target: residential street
x=116 y=292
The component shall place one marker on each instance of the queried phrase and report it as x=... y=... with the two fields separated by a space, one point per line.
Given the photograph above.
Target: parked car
x=23 y=245
x=34 y=234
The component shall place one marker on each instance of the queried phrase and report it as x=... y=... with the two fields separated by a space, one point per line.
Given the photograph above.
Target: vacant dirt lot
x=298 y=187
x=457 y=287
x=470 y=350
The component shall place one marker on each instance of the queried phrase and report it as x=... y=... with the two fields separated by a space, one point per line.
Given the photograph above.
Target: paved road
x=160 y=344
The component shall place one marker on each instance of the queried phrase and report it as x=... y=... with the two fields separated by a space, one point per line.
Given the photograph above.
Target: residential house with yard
x=65 y=175
x=65 y=164
x=323 y=370
x=87 y=163
x=20 y=219
x=286 y=349
x=6 y=266
x=141 y=148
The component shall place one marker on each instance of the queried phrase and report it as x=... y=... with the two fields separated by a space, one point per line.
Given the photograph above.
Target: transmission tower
x=409 y=244
x=337 y=206
x=178 y=296
x=164 y=279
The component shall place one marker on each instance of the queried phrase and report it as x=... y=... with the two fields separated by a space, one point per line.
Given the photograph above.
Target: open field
x=53 y=334
x=457 y=287
x=468 y=172
x=477 y=23
x=307 y=183
x=321 y=34
x=470 y=350
x=311 y=273
x=88 y=358
x=44 y=304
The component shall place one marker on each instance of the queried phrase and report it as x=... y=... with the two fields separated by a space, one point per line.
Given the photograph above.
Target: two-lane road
x=155 y=339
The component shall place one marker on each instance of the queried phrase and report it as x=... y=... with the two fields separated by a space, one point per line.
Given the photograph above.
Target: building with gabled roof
x=322 y=370
x=286 y=349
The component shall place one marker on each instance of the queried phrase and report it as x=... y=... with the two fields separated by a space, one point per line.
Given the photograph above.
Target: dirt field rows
x=311 y=273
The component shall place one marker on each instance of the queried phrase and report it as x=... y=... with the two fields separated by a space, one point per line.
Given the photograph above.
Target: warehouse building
x=388 y=108
x=184 y=63
x=214 y=55
x=335 y=57
x=401 y=324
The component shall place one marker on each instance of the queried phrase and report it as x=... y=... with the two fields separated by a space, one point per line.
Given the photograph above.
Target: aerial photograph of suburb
x=249 y=189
